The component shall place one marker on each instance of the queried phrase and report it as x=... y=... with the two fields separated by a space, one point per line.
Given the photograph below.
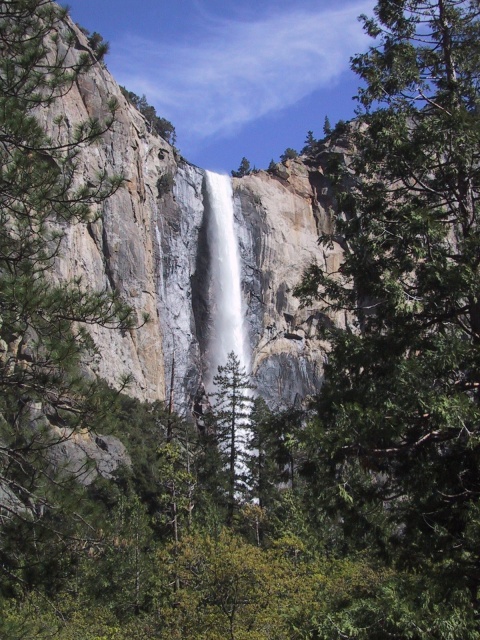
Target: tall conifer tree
x=233 y=404
x=43 y=335
x=397 y=438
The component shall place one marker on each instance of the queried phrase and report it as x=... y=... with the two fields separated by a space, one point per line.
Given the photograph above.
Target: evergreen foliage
x=396 y=441
x=96 y=43
x=261 y=464
x=288 y=154
x=161 y=126
x=243 y=170
x=231 y=415
x=327 y=127
x=310 y=144
x=43 y=336
x=272 y=166
x=360 y=521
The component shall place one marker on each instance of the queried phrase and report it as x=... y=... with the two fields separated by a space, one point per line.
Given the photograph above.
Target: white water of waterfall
x=228 y=315
x=227 y=312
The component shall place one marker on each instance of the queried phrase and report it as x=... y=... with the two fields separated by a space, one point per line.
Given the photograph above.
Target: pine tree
x=310 y=143
x=231 y=411
x=243 y=170
x=396 y=441
x=43 y=326
x=288 y=154
x=327 y=127
x=275 y=446
x=272 y=166
x=262 y=477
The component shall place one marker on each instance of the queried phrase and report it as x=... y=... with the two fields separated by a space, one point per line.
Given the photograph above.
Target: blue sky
x=235 y=77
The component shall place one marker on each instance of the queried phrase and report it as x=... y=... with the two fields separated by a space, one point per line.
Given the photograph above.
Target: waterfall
x=227 y=331
x=227 y=312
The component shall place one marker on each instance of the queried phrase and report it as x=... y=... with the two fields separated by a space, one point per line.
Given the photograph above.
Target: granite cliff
x=149 y=242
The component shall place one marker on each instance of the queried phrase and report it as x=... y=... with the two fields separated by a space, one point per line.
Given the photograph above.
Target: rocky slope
x=150 y=243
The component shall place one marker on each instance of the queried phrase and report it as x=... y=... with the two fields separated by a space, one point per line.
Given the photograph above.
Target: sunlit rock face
x=120 y=249
x=150 y=242
x=282 y=215
x=277 y=221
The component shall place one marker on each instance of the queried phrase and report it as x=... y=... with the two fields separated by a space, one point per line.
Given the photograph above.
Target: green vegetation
x=158 y=125
x=272 y=166
x=288 y=154
x=243 y=170
x=164 y=184
x=396 y=439
x=96 y=43
x=311 y=144
x=43 y=337
x=355 y=519
x=327 y=127
x=233 y=401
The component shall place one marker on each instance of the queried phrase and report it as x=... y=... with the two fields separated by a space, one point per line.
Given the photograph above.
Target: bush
x=288 y=154
x=164 y=184
x=243 y=170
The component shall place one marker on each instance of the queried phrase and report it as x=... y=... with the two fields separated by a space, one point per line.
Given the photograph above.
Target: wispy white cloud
x=239 y=71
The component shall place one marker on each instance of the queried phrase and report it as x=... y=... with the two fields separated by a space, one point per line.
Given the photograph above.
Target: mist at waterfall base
x=228 y=332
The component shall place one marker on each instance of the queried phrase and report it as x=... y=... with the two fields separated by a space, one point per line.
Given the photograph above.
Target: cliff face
x=150 y=243
x=120 y=250
x=281 y=216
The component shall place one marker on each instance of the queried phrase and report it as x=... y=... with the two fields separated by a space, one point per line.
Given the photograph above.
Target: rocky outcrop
x=149 y=243
x=282 y=214
x=86 y=455
x=181 y=242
